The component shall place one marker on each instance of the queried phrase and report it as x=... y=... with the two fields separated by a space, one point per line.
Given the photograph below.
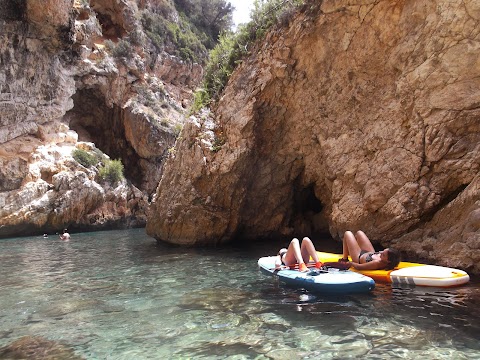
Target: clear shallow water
x=120 y=295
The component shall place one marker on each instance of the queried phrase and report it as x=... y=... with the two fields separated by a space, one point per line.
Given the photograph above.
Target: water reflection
x=120 y=295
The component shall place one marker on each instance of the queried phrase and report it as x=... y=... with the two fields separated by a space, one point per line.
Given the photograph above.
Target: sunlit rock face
x=60 y=90
x=357 y=115
x=58 y=191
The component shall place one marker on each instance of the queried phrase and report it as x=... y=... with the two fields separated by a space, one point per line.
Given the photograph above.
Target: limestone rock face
x=452 y=234
x=60 y=89
x=60 y=192
x=52 y=19
x=180 y=77
x=357 y=115
x=118 y=16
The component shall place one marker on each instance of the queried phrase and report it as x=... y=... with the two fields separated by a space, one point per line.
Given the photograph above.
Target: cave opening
x=112 y=29
x=308 y=218
x=102 y=125
x=13 y=10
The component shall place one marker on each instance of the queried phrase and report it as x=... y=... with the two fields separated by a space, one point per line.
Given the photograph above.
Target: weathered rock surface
x=60 y=89
x=358 y=115
x=58 y=192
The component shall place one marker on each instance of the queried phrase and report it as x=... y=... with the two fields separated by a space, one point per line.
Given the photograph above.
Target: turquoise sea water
x=120 y=295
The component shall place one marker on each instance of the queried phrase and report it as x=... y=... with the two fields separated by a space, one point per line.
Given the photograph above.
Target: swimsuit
x=368 y=258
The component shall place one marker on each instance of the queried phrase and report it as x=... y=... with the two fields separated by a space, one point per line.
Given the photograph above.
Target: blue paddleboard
x=331 y=281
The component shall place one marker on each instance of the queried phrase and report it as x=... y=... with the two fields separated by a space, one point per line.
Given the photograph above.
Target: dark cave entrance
x=96 y=122
x=13 y=10
x=110 y=30
x=308 y=218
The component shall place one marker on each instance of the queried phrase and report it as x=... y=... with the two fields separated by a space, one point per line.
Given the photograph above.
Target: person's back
x=65 y=236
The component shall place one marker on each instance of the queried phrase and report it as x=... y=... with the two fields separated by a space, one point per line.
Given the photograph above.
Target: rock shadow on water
x=35 y=347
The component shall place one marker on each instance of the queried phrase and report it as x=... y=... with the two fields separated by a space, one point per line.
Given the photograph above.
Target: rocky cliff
x=356 y=115
x=69 y=79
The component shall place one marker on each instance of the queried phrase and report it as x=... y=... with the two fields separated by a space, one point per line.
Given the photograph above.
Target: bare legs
x=353 y=244
x=300 y=254
x=308 y=250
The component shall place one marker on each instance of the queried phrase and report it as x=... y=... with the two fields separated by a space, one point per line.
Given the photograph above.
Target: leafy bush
x=165 y=8
x=182 y=39
x=209 y=17
x=112 y=171
x=123 y=49
x=220 y=66
x=233 y=47
x=201 y=98
x=177 y=130
x=84 y=158
x=137 y=37
x=191 y=34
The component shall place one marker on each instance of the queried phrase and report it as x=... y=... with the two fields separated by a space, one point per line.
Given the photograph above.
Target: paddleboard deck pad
x=412 y=274
x=330 y=281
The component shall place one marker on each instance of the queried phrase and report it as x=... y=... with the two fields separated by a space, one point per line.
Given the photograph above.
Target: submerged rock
x=36 y=347
x=215 y=299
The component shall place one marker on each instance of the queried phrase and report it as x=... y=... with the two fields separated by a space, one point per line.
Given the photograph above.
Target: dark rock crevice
x=428 y=216
x=12 y=10
x=307 y=218
x=96 y=122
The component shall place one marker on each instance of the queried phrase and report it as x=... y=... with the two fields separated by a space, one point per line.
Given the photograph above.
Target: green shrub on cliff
x=209 y=18
x=85 y=158
x=220 y=66
x=233 y=47
x=122 y=49
x=112 y=172
x=192 y=32
x=178 y=37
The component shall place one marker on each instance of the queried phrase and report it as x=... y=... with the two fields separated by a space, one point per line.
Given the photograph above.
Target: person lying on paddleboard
x=296 y=254
x=364 y=256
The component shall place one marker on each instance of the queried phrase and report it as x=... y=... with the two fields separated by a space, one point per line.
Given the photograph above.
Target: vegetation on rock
x=232 y=47
x=111 y=171
x=209 y=17
x=85 y=158
x=192 y=33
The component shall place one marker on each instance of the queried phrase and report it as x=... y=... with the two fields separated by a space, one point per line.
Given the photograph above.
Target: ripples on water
x=119 y=295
